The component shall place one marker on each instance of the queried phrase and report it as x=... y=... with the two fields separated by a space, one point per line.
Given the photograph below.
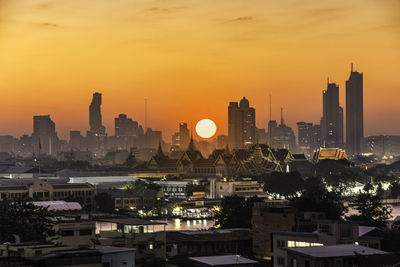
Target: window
x=316 y=244
x=280 y=243
x=67 y=232
x=291 y=244
x=281 y=261
x=346 y=231
x=302 y=244
x=307 y=263
x=324 y=228
x=85 y=232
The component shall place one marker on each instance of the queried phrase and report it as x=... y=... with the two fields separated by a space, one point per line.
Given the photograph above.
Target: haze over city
x=191 y=58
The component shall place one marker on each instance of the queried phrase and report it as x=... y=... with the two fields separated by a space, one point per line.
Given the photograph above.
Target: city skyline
x=223 y=53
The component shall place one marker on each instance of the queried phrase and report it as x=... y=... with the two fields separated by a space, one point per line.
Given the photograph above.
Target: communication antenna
x=145 y=114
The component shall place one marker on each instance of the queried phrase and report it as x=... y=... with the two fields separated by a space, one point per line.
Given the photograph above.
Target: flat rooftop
x=223 y=260
x=131 y=221
x=344 y=250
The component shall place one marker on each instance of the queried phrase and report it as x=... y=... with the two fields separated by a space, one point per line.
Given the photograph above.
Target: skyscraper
x=45 y=139
x=96 y=136
x=281 y=136
x=95 y=119
x=241 y=124
x=125 y=126
x=332 y=117
x=309 y=137
x=354 y=112
x=180 y=140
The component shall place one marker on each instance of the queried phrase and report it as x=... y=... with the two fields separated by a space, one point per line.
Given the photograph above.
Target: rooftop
x=344 y=250
x=131 y=221
x=223 y=260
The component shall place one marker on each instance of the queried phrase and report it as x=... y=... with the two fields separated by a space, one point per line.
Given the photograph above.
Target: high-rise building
x=45 y=139
x=241 y=124
x=281 y=136
x=96 y=136
x=125 y=126
x=95 y=119
x=332 y=117
x=180 y=140
x=354 y=112
x=309 y=137
x=76 y=140
x=222 y=141
x=153 y=138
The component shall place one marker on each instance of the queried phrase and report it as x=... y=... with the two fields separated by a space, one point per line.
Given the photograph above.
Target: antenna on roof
x=351 y=67
x=145 y=114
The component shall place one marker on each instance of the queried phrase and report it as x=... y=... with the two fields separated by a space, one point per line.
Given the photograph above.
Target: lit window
x=291 y=244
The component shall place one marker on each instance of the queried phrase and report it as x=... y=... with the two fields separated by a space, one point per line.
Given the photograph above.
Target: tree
x=395 y=189
x=370 y=207
x=25 y=220
x=318 y=198
x=391 y=238
x=235 y=212
x=104 y=202
x=284 y=184
x=140 y=184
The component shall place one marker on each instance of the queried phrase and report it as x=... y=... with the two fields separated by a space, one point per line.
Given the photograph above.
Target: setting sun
x=206 y=128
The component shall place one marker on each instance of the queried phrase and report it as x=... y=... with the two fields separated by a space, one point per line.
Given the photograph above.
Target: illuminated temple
x=258 y=159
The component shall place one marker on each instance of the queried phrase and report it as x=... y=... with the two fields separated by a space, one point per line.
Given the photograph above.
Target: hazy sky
x=190 y=58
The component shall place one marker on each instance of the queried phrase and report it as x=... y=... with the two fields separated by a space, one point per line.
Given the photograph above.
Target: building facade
x=354 y=112
x=241 y=124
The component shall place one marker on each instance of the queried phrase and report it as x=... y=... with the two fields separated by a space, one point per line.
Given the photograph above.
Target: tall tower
x=331 y=121
x=95 y=119
x=96 y=136
x=241 y=124
x=354 y=112
x=45 y=139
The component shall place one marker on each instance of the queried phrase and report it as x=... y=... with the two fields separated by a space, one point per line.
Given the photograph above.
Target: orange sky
x=191 y=57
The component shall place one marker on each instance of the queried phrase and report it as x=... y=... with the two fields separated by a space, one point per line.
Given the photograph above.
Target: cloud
x=165 y=9
x=240 y=19
x=49 y=24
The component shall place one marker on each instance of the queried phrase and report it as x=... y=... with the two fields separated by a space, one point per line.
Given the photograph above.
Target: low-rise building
x=333 y=255
x=46 y=189
x=135 y=199
x=147 y=237
x=183 y=244
x=220 y=188
x=329 y=232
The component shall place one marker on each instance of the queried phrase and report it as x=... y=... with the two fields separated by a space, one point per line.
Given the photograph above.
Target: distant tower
x=96 y=136
x=44 y=135
x=241 y=124
x=354 y=112
x=95 y=119
x=332 y=122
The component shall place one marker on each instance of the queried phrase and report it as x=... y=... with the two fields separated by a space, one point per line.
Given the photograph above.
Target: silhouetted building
x=125 y=126
x=44 y=135
x=354 y=112
x=7 y=144
x=241 y=124
x=95 y=119
x=281 y=136
x=309 y=137
x=222 y=141
x=381 y=145
x=332 y=117
x=153 y=138
x=96 y=136
x=180 y=140
x=76 y=140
